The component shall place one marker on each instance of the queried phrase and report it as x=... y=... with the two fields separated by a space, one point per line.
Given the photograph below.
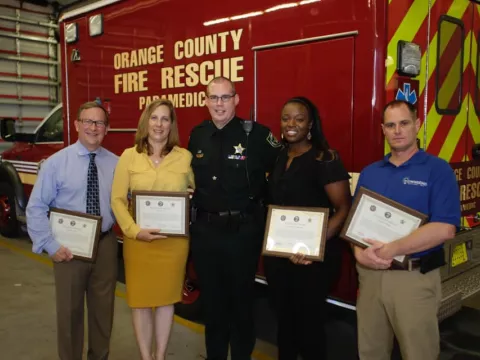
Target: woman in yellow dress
x=154 y=264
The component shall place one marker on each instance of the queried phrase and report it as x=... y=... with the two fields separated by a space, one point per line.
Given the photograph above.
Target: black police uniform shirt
x=221 y=159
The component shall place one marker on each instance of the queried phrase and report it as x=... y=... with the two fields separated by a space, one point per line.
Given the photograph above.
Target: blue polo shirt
x=425 y=183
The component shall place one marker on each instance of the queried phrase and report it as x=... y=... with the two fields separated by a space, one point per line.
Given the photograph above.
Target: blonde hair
x=92 y=105
x=141 y=137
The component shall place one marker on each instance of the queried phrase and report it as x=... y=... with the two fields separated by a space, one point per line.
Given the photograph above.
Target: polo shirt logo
x=407 y=181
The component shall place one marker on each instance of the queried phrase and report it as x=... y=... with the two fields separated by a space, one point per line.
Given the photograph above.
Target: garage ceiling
x=62 y=4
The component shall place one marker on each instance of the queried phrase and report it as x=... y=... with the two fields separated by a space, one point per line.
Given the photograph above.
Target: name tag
x=237 y=157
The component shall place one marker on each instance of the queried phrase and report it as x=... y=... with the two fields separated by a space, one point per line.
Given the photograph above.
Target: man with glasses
x=405 y=303
x=79 y=178
x=230 y=160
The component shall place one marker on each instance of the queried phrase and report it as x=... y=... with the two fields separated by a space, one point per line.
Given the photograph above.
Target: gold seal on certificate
x=167 y=211
x=77 y=231
x=292 y=230
x=377 y=217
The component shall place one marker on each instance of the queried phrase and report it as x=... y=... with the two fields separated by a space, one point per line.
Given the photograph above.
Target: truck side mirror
x=476 y=152
x=7 y=129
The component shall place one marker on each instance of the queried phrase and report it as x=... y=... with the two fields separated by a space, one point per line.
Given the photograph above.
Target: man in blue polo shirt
x=405 y=303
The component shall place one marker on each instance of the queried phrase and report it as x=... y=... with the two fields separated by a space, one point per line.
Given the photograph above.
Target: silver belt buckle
x=413 y=264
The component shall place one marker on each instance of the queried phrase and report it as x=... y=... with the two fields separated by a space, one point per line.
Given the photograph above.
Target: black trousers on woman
x=297 y=295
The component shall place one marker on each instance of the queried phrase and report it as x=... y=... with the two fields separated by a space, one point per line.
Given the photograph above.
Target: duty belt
x=222 y=213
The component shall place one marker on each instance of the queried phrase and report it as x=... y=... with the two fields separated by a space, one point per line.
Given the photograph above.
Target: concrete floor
x=27 y=314
x=28 y=330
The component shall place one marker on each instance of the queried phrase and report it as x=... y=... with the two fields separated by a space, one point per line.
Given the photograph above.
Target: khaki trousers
x=400 y=303
x=74 y=280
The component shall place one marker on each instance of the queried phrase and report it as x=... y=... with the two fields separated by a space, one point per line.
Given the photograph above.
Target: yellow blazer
x=136 y=171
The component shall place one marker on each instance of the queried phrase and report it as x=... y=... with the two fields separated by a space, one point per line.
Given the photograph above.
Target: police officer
x=405 y=303
x=230 y=160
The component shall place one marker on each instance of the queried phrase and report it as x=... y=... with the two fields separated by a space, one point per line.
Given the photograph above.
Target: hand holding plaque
x=292 y=230
x=377 y=217
x=79 y=232
x=167 y=211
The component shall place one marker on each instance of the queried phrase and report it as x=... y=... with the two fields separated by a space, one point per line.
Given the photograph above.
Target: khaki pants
x=400 y=303
x=74 y=280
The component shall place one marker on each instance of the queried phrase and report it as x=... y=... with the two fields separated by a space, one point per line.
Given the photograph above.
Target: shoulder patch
x=272 y=140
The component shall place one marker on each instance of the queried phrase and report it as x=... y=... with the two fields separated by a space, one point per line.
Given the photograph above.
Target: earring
x=309 y=136
x=281 y=136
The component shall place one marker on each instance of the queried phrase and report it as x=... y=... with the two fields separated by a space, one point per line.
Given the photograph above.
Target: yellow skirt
x=154 y=271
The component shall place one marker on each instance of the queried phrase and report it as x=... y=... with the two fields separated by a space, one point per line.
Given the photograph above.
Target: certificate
x=77 y=231
x=377 y=217
x=167 y=211
x=292 y=230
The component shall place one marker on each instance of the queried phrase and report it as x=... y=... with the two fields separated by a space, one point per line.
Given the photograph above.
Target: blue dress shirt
x=62 y=183
x=424 y=183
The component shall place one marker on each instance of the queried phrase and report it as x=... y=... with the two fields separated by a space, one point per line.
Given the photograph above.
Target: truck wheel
x=190 y=307
x=8 y=216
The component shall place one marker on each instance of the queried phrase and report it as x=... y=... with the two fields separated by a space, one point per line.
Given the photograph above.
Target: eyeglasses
x=88 y=123
x=224 y=98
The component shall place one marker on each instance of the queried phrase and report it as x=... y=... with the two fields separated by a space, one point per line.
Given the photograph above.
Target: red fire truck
x=349 y=57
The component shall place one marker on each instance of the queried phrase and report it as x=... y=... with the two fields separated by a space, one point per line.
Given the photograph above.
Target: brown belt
x=105 y=233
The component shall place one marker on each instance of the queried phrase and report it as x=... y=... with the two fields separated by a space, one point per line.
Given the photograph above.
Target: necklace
x=157 y=161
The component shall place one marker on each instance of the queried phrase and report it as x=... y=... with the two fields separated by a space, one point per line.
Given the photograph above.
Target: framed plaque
x=77 y=231
x=292 y=230
x=377 y=217
x=167 y=211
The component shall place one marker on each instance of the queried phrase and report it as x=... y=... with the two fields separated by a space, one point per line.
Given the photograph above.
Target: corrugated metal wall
x=29 y=63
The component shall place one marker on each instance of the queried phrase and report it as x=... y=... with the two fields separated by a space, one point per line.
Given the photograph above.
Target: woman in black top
x=307 y=173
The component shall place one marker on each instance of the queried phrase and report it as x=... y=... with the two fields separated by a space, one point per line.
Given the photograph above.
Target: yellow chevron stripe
x=473 y=120
x=455 y=132
x=474 y=52
x=433 y=118
x=447 y=90
x=474 y=124
x=406 y=31
x=456 y=10
x=451 y=81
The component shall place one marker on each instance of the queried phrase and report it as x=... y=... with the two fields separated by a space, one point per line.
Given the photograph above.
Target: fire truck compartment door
x=322 y=71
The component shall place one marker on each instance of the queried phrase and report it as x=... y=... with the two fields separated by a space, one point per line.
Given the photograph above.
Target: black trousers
x=225 y=253
x=297 y=295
